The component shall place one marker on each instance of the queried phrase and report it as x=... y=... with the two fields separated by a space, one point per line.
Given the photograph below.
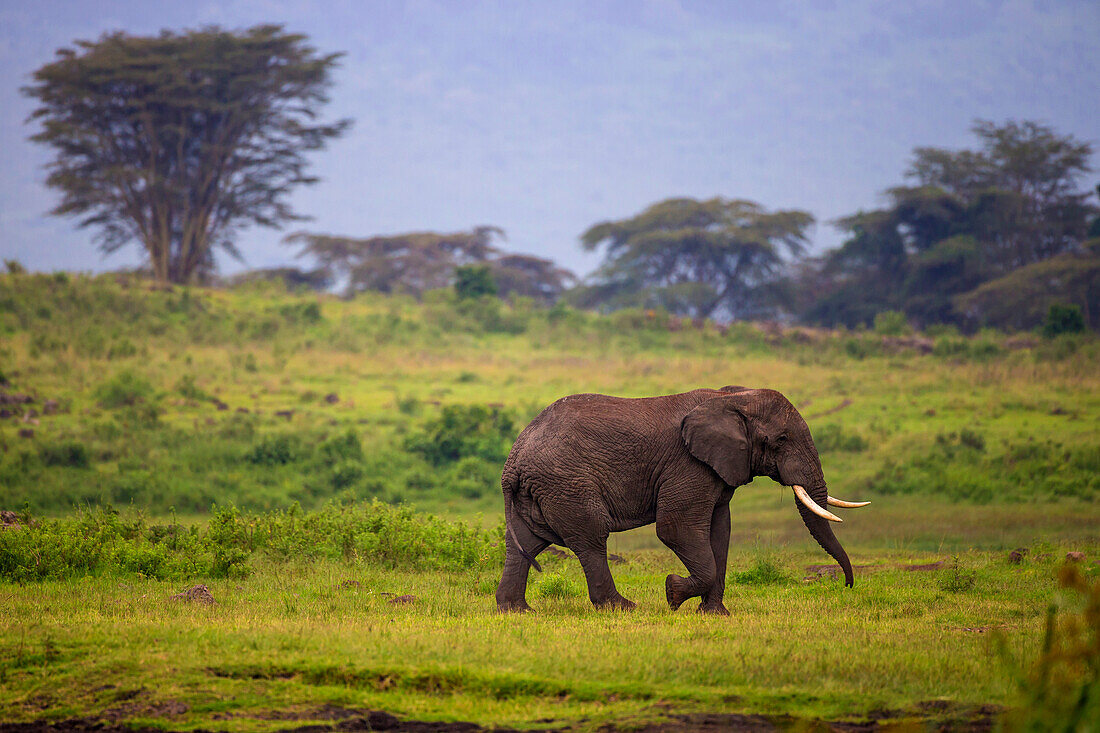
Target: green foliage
x=764 y=571
x=187 y=388
x=891 y=323
x=556 y=586
x=204 y=100
x=696 y=258
x=275 y=450
x=124 y=389
x=984 y=237
x=474 y=281
x=103 y=541
x=462 y=431
x=71 y=453
x=1061 y=689
x=832 y=437
x=1063 y=319
x=957 y=580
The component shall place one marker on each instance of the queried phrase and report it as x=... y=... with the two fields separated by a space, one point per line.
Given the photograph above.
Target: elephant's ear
x=715 y=433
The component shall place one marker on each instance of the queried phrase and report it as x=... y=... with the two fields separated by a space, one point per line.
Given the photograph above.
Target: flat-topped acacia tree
x=176 y=141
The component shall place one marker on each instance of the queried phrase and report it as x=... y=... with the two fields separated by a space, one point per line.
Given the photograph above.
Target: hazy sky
x=546 y=117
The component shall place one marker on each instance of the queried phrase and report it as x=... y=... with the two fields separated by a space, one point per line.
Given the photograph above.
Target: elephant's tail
x=510 y=484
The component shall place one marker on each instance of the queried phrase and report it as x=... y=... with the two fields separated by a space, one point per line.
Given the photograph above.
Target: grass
x=256 y=400
x=294 y=636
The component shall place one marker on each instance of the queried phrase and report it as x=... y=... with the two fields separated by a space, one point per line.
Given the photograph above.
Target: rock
x=4 y=412
x=26 y=432
x=15 y=399
x=286 y=414
x=196 y=593
x=332 y=398
x=1017 y=556
x=51 y=407
x=1075 y=556
x=930 y=412
x=243 y=410
x=219 y=404
x=556 y=552
x=616 y=559
x=9 y=520
x=349 y=585
x=400 y=600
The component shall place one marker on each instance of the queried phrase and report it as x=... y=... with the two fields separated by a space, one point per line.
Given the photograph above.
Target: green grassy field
x=166 y=403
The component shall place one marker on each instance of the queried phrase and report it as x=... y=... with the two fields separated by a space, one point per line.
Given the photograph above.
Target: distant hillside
x=179 y=399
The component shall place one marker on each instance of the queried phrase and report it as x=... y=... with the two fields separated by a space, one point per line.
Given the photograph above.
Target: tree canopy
x=176 y=141
x=974 y=216
x=701 y=258
x=417 y=262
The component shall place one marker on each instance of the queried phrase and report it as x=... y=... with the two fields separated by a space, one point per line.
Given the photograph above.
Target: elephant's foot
x=617 y=602
x=718 y=609
x=519 y=606
x=676 y=591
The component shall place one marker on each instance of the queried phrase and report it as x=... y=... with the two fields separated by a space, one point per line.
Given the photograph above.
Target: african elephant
x=591 y=464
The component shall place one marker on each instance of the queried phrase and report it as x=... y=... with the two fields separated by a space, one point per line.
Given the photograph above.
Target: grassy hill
x=177 y=400
x=313 y=424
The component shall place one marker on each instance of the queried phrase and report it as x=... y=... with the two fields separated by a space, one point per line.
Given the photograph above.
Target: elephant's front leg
x=720 y=546
x=689 y=537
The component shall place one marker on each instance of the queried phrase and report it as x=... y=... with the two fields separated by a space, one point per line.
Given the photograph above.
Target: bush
x=102 y=541
x=891 y=323
x=464 y=430
x=186 y=387
x=765 y=571
x=554 y=585
x=344 y=447
x=474 y=281
x=833 y=438
x=274 y=450
x=125 y=389
x=1063 y=319
x=72 y=454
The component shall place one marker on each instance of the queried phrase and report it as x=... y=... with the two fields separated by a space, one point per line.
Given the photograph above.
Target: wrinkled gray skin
x=591 y=464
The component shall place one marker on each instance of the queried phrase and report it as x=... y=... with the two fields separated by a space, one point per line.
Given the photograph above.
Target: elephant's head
x=758 y=432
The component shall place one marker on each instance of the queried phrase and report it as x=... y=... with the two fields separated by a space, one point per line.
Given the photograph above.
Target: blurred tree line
x=178 y=140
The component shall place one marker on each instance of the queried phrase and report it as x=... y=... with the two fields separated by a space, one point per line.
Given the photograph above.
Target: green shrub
x=122 y=349
x=71 y=453
x=474 y=281
x=102 y=541
x=187 y=388
x=1063 y=319
x=464 y=430
x=833 y=438
x=765 y=571
x=343 y=447
x=274 y=450
x=557 y=586
x=891 y=323
x=125 y=389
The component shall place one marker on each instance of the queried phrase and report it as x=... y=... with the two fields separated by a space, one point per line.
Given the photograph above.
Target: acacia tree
x=416 y=262
x=701 y=258
x=178 y=140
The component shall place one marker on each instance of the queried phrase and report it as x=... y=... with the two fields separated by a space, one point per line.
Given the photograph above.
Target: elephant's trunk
x=821 y=531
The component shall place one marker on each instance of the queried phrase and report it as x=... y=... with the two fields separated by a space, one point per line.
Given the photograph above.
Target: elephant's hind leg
x=689 y=538
x=601 y=586
x=585 y=533
x=512 y=590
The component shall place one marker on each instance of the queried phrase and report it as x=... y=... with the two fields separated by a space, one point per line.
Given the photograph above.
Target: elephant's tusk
x=812 y=505
x=847 y=504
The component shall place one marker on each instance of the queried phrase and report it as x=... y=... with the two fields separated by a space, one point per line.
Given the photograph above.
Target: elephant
x=592 y=464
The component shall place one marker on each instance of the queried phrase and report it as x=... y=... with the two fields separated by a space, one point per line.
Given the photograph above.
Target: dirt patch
x=844 y=403
x=817 y=572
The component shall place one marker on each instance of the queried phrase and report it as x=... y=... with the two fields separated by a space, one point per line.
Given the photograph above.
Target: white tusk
x=812 y=505
x=847 y=504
